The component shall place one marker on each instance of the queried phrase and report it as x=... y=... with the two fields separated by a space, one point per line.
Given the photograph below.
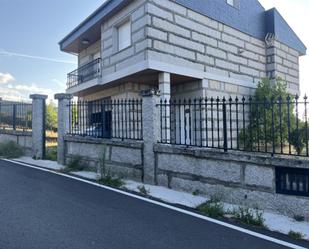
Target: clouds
x=12 y=90
x=23 y=91
x=5 y=78
x=13 y=54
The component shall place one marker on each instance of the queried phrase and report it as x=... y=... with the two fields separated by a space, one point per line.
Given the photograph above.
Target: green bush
x=295 y=235
x=249 y=216
x=75 y=163
x=11 y=150
x=269 y=114
x=114 y=182
x=211 y=209
x=261 y=112
x=143 y=190
x=51 y=154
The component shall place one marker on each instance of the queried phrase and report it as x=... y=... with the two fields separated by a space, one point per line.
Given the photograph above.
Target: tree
x=51 y=116
x=271 y=115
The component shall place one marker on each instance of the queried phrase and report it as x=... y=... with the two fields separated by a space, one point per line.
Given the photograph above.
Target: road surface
x=40 y=210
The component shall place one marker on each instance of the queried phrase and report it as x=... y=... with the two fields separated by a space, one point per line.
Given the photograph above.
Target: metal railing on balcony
x=84 y=73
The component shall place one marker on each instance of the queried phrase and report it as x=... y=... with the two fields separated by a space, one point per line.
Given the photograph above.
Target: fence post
x=224 y=125
x=63 y=123
x=151 y=121
x=14 y=117
x=38 y=125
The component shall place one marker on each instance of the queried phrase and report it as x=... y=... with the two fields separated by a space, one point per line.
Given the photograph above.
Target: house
x=186 y=49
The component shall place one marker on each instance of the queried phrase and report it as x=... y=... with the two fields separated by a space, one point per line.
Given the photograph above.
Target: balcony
x=85 y=73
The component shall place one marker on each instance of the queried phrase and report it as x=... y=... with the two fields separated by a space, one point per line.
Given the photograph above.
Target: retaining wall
x=123 y=158
x=22 y=138
x=237 y=177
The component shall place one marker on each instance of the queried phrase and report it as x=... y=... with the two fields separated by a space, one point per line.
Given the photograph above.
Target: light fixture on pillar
x=85 y=41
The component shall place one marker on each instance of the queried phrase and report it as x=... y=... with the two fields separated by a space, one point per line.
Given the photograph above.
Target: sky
x=30 y=58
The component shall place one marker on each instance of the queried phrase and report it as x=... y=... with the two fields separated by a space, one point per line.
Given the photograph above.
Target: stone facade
x=283 y=62
x=169 y=37
x=114 y=60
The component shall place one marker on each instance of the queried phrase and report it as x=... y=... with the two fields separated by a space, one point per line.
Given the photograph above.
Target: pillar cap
x=150 y=93
x=38 y=96
x=61 y=96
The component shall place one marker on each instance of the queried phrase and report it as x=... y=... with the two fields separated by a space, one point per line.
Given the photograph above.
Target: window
x=292 y=181
x=124 y=35
x=231 y=2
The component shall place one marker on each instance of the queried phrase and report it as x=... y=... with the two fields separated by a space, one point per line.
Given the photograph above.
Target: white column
x=165 y=96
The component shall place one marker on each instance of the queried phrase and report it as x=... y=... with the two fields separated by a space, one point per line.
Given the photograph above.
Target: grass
x=196 y=192
x=143 y=190
x=295 y=235
x=211 y=209
x=51 y=154
x=253 y=217
x=114 y=182
x=75 y=164
x=11 y=150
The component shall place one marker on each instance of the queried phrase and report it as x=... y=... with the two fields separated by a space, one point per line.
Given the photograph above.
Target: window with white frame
x=231 y=2
x=124 y=35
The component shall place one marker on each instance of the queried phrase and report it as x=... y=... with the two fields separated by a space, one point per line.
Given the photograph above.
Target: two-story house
x=184 y=48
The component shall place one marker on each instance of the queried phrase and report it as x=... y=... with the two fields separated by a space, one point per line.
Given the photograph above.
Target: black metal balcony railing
x=85 y=73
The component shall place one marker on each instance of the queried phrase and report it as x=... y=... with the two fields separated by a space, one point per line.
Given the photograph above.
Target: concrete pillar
x=165 y=85
x=63 y=123
x=38 y=125
x=165 y=96
x=151 y=130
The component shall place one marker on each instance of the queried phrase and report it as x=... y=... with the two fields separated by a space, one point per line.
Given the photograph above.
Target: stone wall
x=237 y=177
x=89 y=54
x=123 y=158
x=123 y=91
x=114 y=60
x=22 y=138
x=283 y=62
x=182 y=36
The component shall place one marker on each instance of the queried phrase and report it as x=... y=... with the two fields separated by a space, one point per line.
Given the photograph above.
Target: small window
x=124 y=35
x=292 y=181
x=231 y=2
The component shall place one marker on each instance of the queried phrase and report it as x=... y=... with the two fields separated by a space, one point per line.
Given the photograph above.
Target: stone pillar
x=63 y=123
x=38 y=125
x=151 y=130
x=165 y=96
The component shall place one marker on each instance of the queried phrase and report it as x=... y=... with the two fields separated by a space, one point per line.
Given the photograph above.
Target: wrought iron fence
x=107 y=119
x=277 y=126
x=15 y=116
x=84 y=73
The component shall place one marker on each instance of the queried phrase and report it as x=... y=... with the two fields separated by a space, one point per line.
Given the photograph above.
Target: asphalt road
x=40 y=210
